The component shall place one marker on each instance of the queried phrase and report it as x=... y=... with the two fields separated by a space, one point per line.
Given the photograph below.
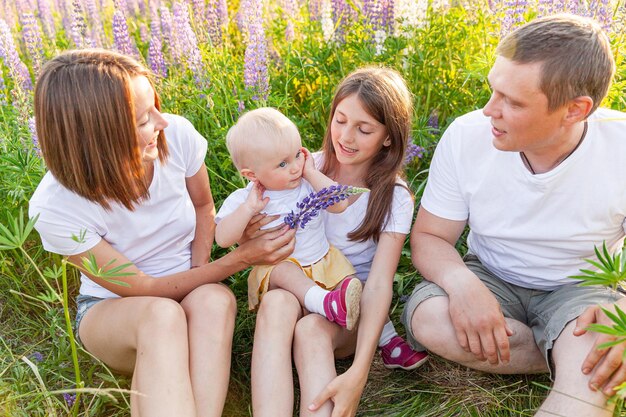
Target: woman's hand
x=345 y=392
x=253 y=229
x=268 y=247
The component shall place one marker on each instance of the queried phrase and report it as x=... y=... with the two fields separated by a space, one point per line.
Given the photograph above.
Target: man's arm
x=476 y=315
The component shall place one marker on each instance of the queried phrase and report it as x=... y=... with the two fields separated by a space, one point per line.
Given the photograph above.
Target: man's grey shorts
x=545 y=312
x=83 y=304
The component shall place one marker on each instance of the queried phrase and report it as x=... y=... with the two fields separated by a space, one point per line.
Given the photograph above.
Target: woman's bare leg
x=210 y=311
x=145 y=336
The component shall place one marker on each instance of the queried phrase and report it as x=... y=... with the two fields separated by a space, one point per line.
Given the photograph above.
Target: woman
x=364 y=147
x=127 y=185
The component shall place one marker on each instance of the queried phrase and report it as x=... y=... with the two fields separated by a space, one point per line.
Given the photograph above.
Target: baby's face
x=280 y=168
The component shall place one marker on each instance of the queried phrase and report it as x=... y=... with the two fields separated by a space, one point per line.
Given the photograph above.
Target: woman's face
x=356 y=136
x=149 y=120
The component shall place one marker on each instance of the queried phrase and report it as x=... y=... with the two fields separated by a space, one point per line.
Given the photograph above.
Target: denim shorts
x=83 y=304
x=545 y=312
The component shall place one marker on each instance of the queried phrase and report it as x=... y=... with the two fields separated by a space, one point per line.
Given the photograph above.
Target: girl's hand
x=255 y=201
x=309 y=164
x=345 y=392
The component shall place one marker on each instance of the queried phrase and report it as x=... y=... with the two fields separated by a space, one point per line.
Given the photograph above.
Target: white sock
x=314 y=300
x=389 y=332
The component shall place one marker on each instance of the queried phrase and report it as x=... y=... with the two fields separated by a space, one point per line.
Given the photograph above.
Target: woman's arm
x=268 y=248
x=199 y=190
x=346 y=389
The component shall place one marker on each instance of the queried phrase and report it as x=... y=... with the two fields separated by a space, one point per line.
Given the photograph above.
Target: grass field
x=215 y=59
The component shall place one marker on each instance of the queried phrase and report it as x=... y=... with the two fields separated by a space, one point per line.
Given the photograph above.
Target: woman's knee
x=211 y=300
x=161 y=316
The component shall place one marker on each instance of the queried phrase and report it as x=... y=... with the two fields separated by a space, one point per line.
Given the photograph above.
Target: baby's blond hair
x=257 y=133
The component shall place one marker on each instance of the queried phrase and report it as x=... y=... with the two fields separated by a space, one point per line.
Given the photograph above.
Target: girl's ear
x=248 y=174
x=387 y=141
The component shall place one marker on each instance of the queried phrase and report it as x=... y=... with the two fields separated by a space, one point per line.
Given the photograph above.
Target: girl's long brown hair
x=85 y=119
x=385 y=96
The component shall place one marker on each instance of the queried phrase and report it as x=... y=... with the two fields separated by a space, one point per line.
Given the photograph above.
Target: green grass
x=445 y=63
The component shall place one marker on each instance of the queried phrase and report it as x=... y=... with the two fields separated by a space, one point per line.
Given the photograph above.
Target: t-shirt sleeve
x=401 y=215
x=66 y=232
x=231 y=203
x=196 y=148
x=442 y=196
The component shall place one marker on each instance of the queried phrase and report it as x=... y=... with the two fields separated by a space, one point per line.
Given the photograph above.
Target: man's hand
x=479 y=324
x=606 y=366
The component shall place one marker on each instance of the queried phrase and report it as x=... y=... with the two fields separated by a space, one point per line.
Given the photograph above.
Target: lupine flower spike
x=311 y=205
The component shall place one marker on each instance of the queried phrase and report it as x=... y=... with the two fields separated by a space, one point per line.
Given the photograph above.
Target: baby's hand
x=255 y=201
x=309 y=164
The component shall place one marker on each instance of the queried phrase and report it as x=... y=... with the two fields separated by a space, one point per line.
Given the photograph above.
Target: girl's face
x=149 y=120
x=356 y=136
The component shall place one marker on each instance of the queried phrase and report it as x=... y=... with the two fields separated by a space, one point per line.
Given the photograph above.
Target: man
x=540 y=177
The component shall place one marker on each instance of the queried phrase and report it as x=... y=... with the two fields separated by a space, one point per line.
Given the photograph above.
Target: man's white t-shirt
x=156 y=236
x=532 y=230
x=311 y=242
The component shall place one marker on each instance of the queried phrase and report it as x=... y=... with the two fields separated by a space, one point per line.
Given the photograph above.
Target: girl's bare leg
x=272 y=380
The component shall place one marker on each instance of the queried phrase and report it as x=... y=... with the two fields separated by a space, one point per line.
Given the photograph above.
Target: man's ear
x=248 y=174
x=578 y=109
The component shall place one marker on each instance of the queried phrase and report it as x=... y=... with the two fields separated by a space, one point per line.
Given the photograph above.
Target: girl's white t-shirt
x=156 y=236
x=338 y=225
x=532 y=230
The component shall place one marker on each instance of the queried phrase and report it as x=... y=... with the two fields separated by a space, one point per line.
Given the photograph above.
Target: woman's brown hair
x=86 y=124
x=385 y=96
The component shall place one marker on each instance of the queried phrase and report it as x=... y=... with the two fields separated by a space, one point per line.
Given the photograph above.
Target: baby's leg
x=288 y=276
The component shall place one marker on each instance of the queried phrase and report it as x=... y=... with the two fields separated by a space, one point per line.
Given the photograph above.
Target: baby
x=265 y=147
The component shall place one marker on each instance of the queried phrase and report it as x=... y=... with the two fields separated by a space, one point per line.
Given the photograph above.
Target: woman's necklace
x=530 y=167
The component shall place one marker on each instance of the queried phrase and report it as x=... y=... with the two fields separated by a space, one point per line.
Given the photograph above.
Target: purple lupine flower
x=315 y=10
x=241 y=106
x=155 y=57
x=341 y=18
x=47 y=21
x=8 y=52
x=433 y=122
x=222 y=11
x=413 y=152
x=93 y=14
x=144 y=34
x=198 y=9
x=121 y=37
x=36 y=356
x=388 y=18
x=8 y=13
x=155 y=21
x=70 y=399
x=603 y=13
x=189 y=44
x=311 y=205
x=79 y=27
x=168 y=37
x=256 y=77
x=290 y=7
x=214 y=23
x=32 y=38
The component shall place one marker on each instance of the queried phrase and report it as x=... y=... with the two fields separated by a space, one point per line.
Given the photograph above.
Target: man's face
x=519 y=109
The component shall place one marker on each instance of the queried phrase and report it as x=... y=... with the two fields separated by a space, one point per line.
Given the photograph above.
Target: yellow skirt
x=328 y=272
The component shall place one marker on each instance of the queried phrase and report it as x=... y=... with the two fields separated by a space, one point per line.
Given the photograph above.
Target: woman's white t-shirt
x=156 y=236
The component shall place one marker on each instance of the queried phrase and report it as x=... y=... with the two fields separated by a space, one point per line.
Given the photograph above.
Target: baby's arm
x=318 y=181
x=230 y=228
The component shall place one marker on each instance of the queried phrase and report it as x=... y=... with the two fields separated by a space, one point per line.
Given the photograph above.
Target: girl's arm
x=268 y=248
x=199 y=190
x=231 y=227
x=318 y=181
x=346 y=389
